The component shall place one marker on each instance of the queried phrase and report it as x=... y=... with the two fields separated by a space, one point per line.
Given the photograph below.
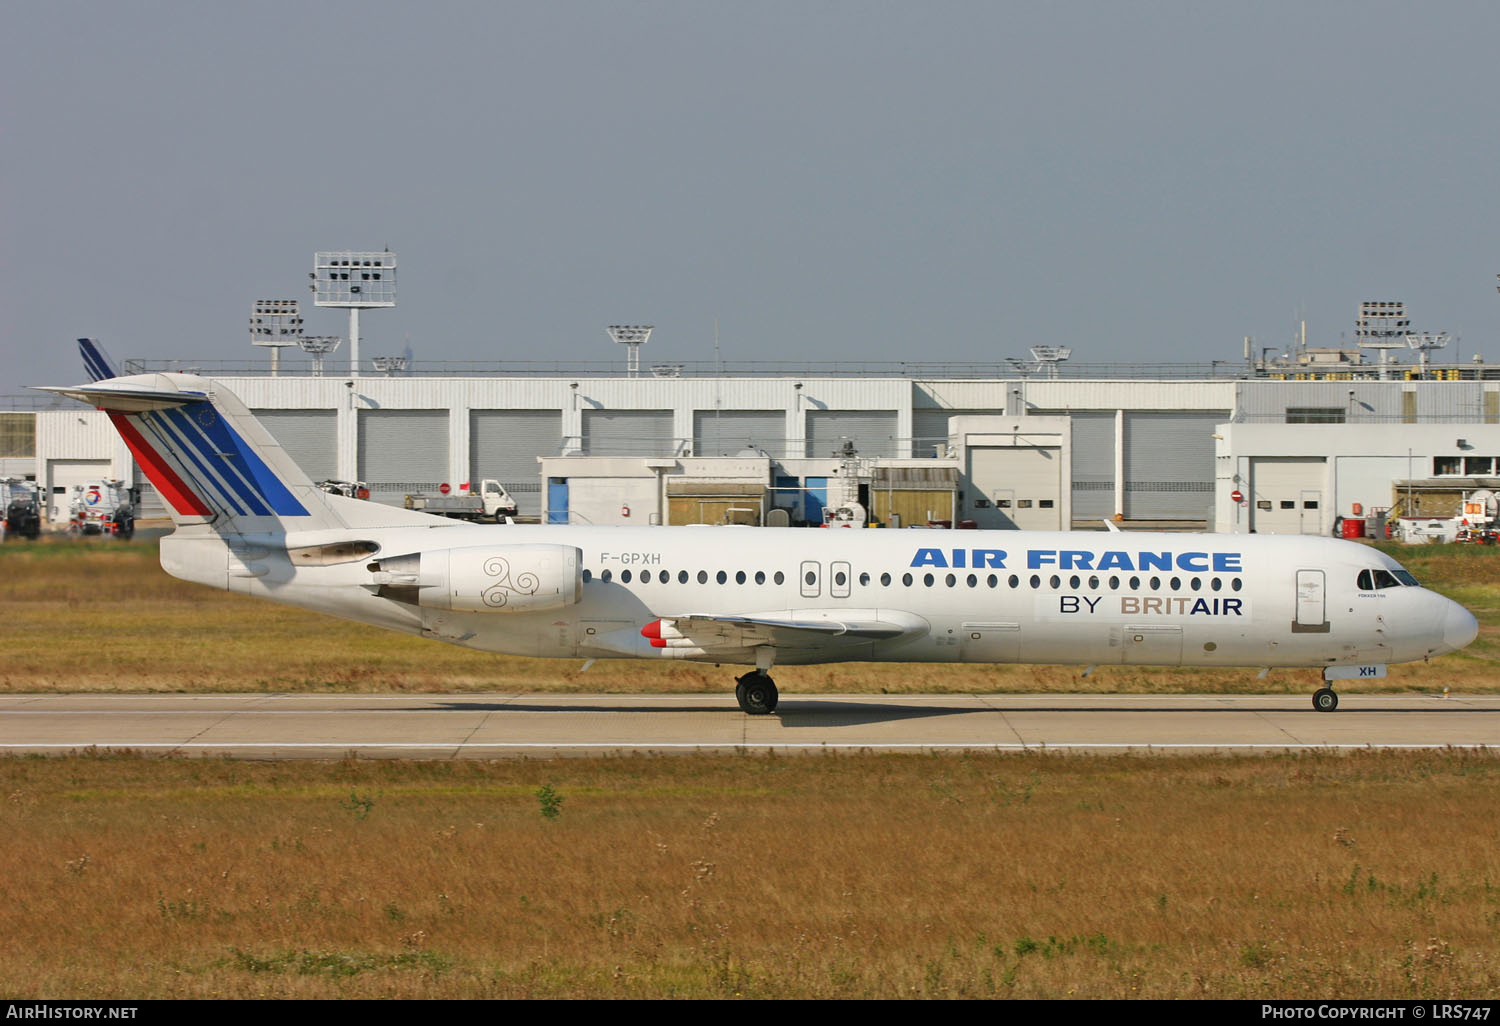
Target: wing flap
x=804 y=628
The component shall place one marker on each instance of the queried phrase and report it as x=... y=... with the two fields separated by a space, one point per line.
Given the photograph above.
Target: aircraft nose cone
x=1459 y=626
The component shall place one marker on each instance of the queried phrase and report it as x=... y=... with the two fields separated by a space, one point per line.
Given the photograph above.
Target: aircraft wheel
x=756 y=694
x=1325 y=700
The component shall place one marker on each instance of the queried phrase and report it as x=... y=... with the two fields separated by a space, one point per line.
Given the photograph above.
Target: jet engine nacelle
x=485 y=578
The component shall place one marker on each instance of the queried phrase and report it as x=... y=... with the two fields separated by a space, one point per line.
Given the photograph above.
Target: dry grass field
x=858 y=876
x=103 y=616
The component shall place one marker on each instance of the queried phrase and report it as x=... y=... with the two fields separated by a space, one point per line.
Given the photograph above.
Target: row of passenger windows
x=1035 y=581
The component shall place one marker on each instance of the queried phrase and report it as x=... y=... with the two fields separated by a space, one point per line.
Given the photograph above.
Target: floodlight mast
x=318 y=346
x=1049 y=357
x=1383 y=326
x=355 y=282
x=275 y=324
x=633 y=336
x=1424 y=342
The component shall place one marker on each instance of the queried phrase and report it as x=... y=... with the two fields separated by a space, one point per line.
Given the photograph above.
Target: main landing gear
x=1325 y=699
x=756 y=693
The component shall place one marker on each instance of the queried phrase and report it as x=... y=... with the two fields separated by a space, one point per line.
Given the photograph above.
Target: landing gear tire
x=1325 y=700
x=756 y=694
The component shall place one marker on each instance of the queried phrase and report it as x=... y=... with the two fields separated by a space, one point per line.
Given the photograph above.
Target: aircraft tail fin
x=211 y=461
x=95 y=360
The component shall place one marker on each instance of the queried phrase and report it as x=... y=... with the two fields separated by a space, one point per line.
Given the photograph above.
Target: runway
x=550 y=725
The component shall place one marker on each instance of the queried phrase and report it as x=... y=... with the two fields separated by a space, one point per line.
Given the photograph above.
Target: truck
x=102 y=507
x=18 y=506
x=491 y=504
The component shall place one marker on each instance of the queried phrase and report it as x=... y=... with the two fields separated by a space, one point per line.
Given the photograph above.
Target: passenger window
x=760 y=577
x=1036 y=581
x=780 y=577
x=1055 y=581
x=1114 y=583
x=1155 y=583
x=702 y=576
x=1177 y=584
x=864 y=580
x=952 y=580
x=1014 y=582
x=1216 y=584
x=604 y=576
x=1135 y=584
x=839 y=578
x=682 y=577
x=663 y=577
x=1235 y=584
x=1195 y=584
x=927 y=579
x=624 y=576
x=906 y=580
x=885 y=580
x=588 y=575
x=739 y=577
x=1073 y=582
x=973 y=581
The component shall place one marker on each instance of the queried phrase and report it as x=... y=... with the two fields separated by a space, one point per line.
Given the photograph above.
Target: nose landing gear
x=1325 y=700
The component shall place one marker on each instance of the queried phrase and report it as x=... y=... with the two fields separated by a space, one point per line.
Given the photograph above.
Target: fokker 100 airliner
x=248 y=520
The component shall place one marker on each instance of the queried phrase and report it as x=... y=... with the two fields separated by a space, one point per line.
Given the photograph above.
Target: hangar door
x=505 y=444
x=728 y=432
x=62 y=475
x=402 y=451
x=310 y=438
x=628 y=433
x=871 y=432
x=1169 y=465
x=1286 y=494
x=1093 y=465
x=1014 y=488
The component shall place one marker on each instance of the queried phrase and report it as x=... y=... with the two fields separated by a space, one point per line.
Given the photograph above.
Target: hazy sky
x=831 y=180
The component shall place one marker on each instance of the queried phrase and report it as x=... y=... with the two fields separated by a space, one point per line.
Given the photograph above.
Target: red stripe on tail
x=172 y=488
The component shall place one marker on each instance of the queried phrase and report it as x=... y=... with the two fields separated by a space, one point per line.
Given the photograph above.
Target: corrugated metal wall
x=310 y=438
x=402 y=451
x=505 y=444
x=929 y=428
x=628 y=433
x=1169 y=465
x=873 y=432
x=727 y=432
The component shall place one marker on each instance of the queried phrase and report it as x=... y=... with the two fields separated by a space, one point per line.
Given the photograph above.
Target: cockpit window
x=1380 y=580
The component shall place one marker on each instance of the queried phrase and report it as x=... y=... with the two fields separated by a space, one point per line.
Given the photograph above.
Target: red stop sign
x=1237 y=496
x=444 y=488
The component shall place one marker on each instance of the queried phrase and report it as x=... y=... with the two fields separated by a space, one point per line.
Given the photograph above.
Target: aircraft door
x=1311 y=603
x=809 y=580
x=838 y=580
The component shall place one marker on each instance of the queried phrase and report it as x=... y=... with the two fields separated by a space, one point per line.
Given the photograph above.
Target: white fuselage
x=961 y=596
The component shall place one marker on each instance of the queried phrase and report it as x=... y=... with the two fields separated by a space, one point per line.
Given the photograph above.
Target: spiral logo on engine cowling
x=495 y=595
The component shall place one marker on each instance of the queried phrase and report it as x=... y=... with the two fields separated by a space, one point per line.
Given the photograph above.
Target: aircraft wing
x=806 y=628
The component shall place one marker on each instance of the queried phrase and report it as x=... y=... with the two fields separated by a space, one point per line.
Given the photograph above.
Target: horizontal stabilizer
x=129 y=395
